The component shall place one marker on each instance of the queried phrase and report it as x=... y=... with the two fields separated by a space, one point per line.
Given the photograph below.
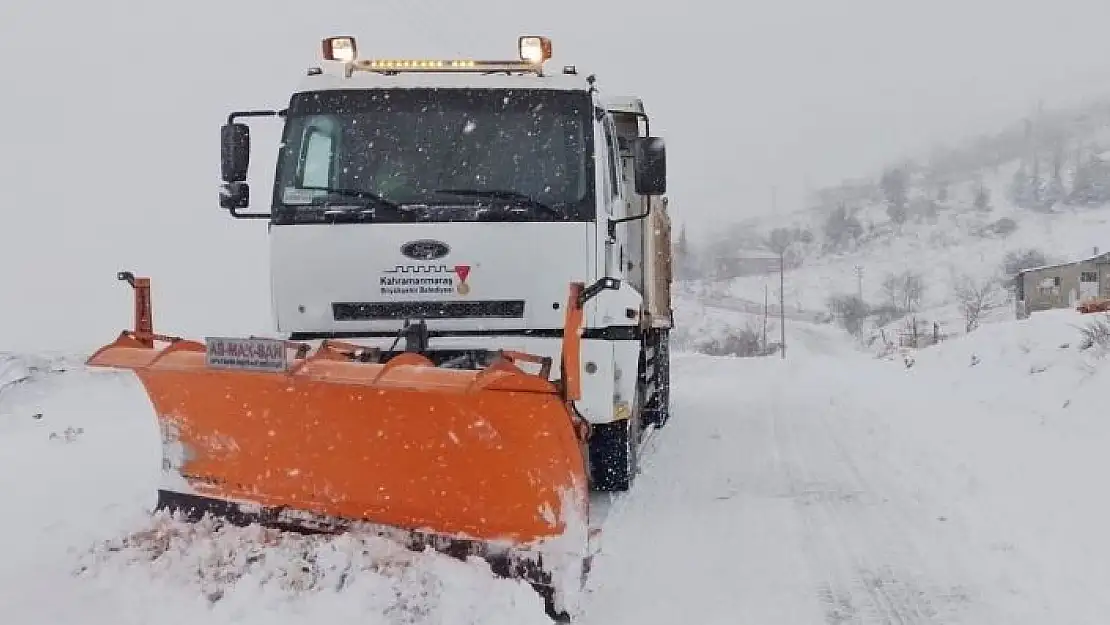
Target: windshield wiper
x=361 y=194
x=503 y=194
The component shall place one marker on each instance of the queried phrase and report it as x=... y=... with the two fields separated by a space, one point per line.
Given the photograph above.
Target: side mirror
x=235 y=195
x=235 y=159
x=235 y=151
x=650 y=157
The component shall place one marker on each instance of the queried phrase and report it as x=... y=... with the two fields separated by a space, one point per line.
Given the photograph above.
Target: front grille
x=485 y=309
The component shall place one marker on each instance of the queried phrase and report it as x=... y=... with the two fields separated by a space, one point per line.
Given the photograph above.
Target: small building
x=1061 y=286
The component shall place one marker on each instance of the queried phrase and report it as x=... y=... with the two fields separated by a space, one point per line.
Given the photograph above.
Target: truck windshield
x=389 y=155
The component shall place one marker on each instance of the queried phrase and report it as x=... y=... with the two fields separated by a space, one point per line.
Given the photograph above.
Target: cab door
x=616 y=205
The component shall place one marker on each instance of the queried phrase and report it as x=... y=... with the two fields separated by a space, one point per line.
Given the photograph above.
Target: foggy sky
x=110 y=156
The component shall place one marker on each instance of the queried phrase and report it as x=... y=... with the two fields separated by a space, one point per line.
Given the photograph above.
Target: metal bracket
x=592 y=291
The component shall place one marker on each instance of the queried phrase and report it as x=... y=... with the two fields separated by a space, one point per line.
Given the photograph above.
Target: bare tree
x=780 y=240
x=913 y=290
x=904 y=291
x=976 y=297
x=1021 y=259
x=890 y=290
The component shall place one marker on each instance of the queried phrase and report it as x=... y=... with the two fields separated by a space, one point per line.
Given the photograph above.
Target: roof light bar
x=440 y=65
x=534 y=51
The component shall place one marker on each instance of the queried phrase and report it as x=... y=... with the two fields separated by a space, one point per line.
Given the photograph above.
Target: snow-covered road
x=837 y=488
x=832 y=488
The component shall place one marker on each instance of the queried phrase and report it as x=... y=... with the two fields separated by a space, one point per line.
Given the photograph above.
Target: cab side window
x=317 y=154
x=614 y=159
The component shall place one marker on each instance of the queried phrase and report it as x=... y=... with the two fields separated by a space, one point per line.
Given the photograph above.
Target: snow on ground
x=834 y=487
x=830 y=487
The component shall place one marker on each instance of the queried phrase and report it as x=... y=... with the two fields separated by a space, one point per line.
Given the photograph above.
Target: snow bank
x=1033 y=369
x=1011 y=423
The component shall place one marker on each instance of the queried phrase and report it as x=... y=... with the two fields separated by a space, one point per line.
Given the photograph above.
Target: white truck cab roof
x=335 y=79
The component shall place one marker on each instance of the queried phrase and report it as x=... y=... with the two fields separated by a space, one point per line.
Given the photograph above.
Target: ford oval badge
x=425 y=249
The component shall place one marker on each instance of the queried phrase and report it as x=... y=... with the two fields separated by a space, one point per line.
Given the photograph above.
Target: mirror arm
x=613 y=223
x=236 y=214
x=237 y=114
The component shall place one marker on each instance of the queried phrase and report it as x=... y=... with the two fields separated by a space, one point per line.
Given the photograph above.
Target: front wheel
x=614 y=455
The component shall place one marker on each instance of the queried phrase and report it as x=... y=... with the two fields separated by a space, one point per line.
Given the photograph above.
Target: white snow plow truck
x=471 y=282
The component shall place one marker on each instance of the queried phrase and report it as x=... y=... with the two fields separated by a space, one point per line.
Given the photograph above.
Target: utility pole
x=782 y=278
x=859 y=280
x=782 y=302
x=766 y=306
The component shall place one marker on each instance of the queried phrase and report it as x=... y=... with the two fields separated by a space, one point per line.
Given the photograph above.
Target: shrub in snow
x=738 y=342
x=1096 y=334
x=851 y=311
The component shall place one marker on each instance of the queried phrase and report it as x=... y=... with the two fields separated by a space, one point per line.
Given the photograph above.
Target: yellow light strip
x=441 y=65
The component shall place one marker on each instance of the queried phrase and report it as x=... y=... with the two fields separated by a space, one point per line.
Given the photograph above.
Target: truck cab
x=448 y=203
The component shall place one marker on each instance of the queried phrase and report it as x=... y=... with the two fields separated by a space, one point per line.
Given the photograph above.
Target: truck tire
x=658 y=410
x=614 y=454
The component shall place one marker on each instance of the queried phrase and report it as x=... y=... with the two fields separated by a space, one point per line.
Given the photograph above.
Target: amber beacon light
x=534 y=49
x=340 y=49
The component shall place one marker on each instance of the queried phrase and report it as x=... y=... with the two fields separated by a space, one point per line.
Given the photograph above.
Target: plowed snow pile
x=79 y=462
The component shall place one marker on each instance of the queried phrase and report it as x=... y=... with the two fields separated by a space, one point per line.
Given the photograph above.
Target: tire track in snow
x=865 y=554
x=824 y=541
x=705 y=536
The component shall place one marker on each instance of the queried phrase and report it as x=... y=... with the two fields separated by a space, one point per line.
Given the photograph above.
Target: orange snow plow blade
x=491 y=456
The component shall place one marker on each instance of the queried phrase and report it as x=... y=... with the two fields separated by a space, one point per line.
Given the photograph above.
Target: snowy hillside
x=866 y=498
x=961 y=222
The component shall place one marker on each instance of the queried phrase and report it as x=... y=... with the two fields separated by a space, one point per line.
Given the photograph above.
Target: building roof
x=1099 y=258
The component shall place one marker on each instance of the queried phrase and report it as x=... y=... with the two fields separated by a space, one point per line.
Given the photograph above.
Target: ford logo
x=425 y=249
